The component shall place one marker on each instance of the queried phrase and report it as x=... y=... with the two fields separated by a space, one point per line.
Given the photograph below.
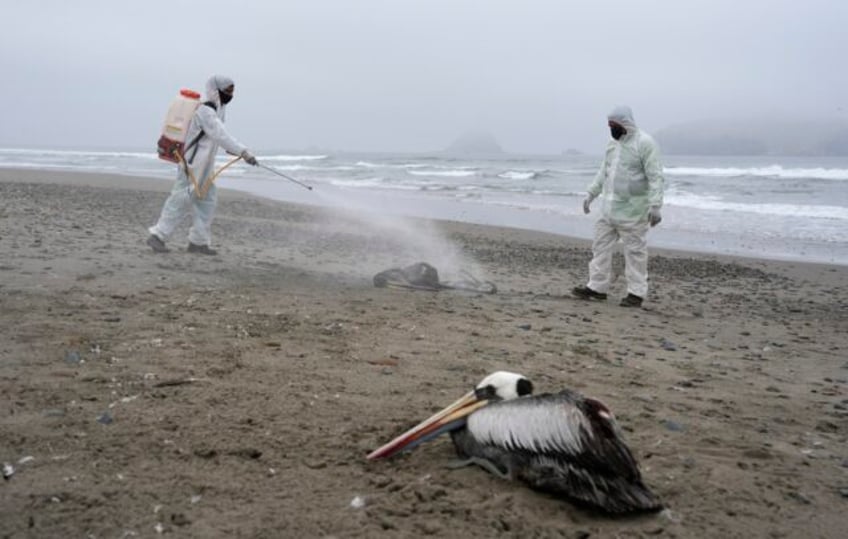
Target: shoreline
x=116 y=180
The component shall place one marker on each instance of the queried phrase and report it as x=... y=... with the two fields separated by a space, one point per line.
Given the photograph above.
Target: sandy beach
x=237 y=395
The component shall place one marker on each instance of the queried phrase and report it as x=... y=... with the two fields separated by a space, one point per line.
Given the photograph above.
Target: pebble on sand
x=673 y=426
x=668 y=345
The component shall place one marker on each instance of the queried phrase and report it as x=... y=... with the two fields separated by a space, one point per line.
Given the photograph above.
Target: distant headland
x=761 y=136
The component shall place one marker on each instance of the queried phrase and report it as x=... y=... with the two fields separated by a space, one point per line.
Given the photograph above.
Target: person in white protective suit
x=205 y=134
x=630 y=185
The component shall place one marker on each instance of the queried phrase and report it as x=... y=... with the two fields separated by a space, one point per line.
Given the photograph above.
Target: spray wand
x=278 y=173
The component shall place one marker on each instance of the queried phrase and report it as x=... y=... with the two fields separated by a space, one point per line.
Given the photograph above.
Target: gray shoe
x=201 y=249
x=156 y=244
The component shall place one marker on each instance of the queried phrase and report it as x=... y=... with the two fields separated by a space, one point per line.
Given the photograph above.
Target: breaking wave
x=773 y=171
x=786 y=210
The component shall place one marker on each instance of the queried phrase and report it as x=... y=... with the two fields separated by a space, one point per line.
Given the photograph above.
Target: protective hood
x=213 y=85
x=624 y=116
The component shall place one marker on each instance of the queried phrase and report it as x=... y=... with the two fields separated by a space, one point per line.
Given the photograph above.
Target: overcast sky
x=412 y=75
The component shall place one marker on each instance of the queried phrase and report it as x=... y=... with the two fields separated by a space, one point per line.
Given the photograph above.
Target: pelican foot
x=487 y=465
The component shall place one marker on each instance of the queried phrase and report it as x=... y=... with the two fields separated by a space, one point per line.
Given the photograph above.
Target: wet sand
x=237 y=395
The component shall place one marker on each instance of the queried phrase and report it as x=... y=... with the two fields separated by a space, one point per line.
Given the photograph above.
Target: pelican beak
x=448 y=419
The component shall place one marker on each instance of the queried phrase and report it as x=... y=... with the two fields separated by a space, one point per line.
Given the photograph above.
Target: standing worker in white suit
x=630 y=184
x=206 y=133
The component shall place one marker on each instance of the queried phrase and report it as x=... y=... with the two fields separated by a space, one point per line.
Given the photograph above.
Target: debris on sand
x=385 y=362
x=423 y=276
x=178 y=382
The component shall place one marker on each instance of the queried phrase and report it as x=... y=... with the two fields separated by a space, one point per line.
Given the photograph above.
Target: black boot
x=201 y=249
x=584 y=292
x=156 y=244
x=631 y=300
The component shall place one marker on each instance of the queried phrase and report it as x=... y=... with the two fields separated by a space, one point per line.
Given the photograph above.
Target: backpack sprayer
x=172 y=143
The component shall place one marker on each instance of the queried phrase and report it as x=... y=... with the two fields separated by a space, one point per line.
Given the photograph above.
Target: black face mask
x=617 y=131
x=225 y=98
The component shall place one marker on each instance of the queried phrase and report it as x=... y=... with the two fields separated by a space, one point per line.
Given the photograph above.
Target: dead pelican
x=561 y=443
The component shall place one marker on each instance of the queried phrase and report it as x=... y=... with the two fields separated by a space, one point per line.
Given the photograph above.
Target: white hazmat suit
x=201 y=160
x=630 y=185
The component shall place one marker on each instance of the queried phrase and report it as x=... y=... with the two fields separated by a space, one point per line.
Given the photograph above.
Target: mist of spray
x=403 y=240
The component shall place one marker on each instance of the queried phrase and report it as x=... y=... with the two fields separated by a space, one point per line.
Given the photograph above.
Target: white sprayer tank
x=175 y=127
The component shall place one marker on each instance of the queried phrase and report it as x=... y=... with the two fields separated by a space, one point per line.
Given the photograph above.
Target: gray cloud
x=412 y=75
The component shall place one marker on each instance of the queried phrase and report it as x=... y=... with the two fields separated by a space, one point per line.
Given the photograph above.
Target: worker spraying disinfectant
x=202 y=127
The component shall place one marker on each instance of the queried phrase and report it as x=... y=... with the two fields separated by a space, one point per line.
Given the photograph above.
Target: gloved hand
x=654 y=216
x=587 y=202
x=249 y=158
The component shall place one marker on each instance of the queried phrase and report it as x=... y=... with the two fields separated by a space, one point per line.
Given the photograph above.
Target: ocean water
x=789 y=208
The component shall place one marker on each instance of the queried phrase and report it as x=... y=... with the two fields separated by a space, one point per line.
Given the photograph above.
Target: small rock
x=105 y=418
x=673 y=426
x=8 y=471
x=844 y=492
x=73 y=357
x=53 y=412
x=387 y=371
x=358 y=502
x=179 y=519
x=668 y=345
x=582 y=534
x=525 y=327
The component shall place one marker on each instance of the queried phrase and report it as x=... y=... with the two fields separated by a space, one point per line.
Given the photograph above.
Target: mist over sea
x=773 y=207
